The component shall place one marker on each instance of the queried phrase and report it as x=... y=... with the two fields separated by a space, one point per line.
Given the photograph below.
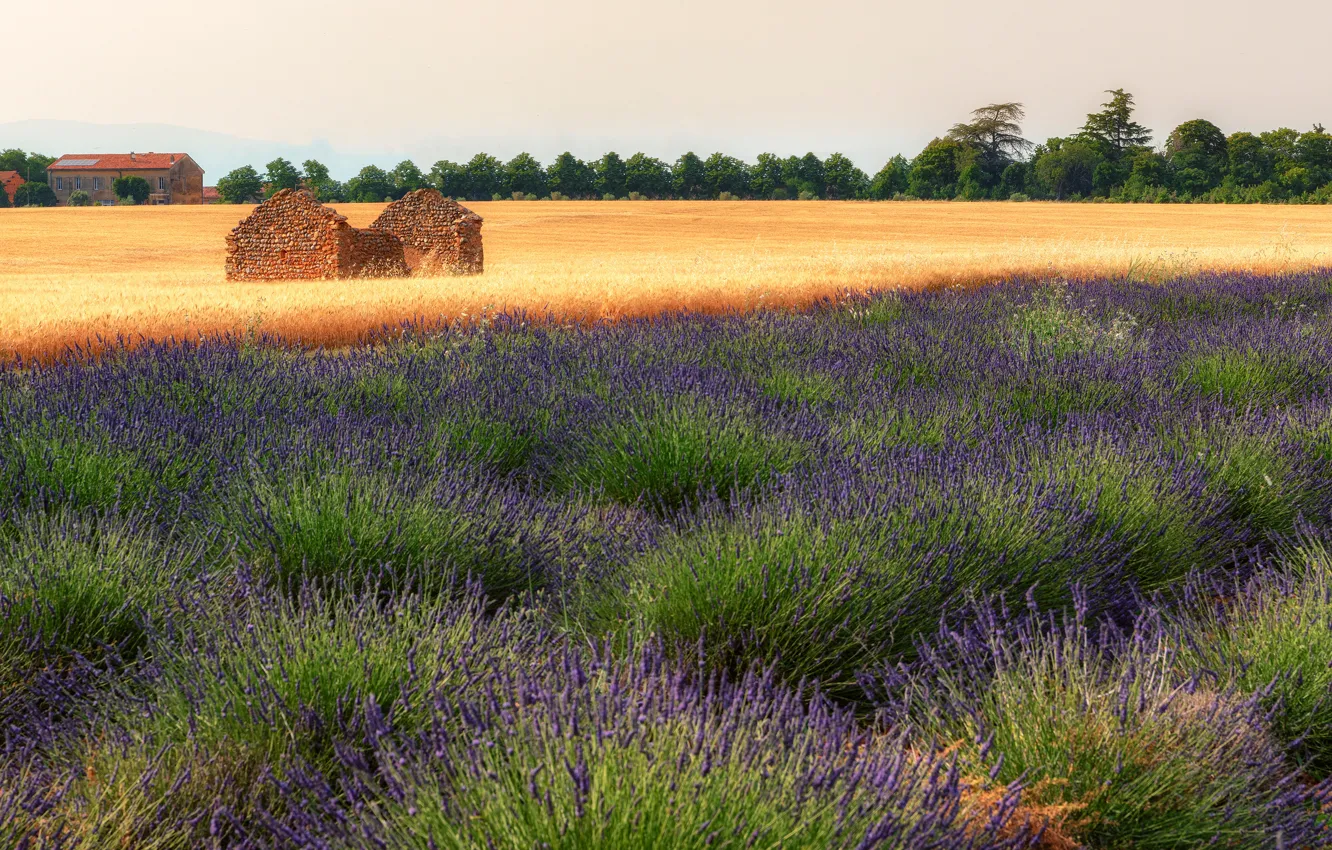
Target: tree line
x=1111 y=157
x=986 y=158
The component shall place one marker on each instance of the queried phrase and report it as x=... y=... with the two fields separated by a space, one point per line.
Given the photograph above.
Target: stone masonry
x=291 y=236
x=439 y=236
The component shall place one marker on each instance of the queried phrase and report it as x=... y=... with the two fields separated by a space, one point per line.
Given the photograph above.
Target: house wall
x=65 y=182
x=182 y=183
x=186 y=182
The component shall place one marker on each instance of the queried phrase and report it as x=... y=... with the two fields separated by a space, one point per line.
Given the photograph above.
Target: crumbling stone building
x=291 y=236
x=439 y=236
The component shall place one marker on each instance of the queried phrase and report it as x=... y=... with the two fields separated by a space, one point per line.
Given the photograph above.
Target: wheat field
x=83 y=277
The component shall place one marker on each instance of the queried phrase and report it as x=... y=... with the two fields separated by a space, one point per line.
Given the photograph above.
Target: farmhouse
x=174 y=178
x=438 y=235
x=291 y=236
x=9 y=183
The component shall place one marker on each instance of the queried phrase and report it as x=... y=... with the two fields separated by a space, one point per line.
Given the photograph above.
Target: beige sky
x=443 y=79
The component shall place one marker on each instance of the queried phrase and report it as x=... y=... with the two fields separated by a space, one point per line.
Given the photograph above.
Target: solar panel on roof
x=77 y=162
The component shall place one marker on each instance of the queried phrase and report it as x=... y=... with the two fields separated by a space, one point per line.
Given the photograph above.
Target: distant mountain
x=217 y=153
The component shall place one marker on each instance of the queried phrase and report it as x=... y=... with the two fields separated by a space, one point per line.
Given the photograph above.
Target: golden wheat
x=74 y=276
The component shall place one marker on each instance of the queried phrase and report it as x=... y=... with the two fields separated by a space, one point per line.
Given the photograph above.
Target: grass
x=157 y=273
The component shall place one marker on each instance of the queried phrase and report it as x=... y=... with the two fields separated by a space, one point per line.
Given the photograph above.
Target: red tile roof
x=9 y=182
x=116 y=161
x=210 y=194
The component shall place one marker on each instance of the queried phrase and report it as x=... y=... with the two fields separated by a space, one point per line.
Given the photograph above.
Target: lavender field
x=1037 y=565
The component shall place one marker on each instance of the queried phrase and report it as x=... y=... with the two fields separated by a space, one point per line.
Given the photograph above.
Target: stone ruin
x=439 y=236
x=291 y=236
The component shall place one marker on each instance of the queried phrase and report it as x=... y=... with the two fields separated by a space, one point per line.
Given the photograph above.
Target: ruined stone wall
x=439 y=236
x=375 y=253
x=290 y=236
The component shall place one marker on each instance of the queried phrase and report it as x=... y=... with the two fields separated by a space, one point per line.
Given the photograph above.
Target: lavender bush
x=694 y=581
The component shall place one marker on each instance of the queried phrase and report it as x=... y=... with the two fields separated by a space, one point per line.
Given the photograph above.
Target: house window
x=78 y=182
x=97 y=184
x=161 y=184
x=60 y=184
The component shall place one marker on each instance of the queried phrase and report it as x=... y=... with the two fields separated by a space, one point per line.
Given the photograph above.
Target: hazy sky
x=435 y=78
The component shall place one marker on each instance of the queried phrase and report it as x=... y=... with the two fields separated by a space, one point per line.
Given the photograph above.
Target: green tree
x=1197 y=151
x=995 y=133
x=722 y=173
x=30 y=166
x=371 y=185
x=842 y=180
x=689 y=177
x=1313 y=151
x=13 y=159
x=612 y=175
x=135 y=188
x=241 y=186
x=1281 y=146
x=648 y=176
x=37 y=165
x=449 y=178
x=34 y=193
x=934 y=173
x=406 y=178
x=1114 y=128
x=77 y=198
x=1066 y=167
x=525 y=174
x=484 y=178
x=1148 y=172
x=4 y=197
x=280 y=175
x=891 y=180
x=1015 y=180
x=766 y=175
x=570 y=176
x=804 y=174
x=1249 y=162
x=321 y=183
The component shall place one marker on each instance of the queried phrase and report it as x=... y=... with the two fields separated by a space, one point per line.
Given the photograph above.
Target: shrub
x=1275 y=639
x=806 y=195
x=1244 y=378
x=827 y=581
x=669 y=454
x=727 y=196
x=558 y=196
x=250 y=686
x=1115 y=747
x=630 y=753
x=34 y=194
x=529 y=197
x=609 y=196
x=304 y=666
x=1019 y=197
x=78 y=584
x=79 y=198
x=136 y=189
x=308 y=524
x=636 y=196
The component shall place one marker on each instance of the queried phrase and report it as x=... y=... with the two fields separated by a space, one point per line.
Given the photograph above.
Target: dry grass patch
x=69 y=276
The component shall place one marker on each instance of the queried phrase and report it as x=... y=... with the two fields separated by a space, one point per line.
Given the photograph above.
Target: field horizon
x=84 y=278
